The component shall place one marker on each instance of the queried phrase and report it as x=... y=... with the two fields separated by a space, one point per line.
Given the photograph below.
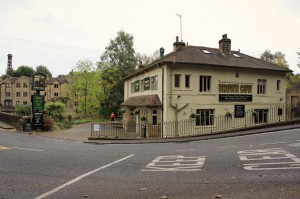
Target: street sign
x=38 y=102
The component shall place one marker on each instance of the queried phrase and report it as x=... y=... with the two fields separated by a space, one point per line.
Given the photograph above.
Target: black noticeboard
x=38 y=119
x=239 y=111
x=27 y=126
x=234 y=98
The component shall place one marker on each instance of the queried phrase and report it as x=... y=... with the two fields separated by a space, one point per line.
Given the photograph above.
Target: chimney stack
x=9 y=61
x=225 y=46
x=178 y=44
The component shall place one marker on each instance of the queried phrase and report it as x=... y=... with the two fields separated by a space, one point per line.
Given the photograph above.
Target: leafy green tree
x=299 y=59
x=84 y=88
x=44 y=70
x=110 y=96
x=24 y=70
x=278 y=58
x=120 y=53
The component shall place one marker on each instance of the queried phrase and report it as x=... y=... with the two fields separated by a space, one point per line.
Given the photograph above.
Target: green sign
x=38 y=102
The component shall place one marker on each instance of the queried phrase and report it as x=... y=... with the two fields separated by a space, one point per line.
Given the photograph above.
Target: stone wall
x=9 y=118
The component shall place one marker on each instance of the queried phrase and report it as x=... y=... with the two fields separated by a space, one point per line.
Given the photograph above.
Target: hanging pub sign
x=38 y=82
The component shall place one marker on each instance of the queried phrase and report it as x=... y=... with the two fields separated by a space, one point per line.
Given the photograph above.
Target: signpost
x=38 y=101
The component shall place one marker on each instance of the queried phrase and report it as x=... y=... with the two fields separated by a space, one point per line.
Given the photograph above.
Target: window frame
x=177 y=80
x=205 y=117
x=187 y=81
x=205 y=83
x=261 y=86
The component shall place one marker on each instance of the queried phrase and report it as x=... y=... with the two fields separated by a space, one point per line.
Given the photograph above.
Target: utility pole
x=180 y=26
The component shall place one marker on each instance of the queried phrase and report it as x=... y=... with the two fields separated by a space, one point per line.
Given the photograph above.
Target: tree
x=84 y=88
x=278 y=58
x=44 y=70
x=24 y=70
x=299 y=59
x=120 y=53
x=110 y=97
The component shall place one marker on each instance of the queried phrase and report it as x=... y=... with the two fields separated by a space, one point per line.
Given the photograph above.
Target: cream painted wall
x=191 y=99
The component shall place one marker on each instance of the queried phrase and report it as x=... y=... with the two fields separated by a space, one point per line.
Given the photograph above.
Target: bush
x=64 y=124
x=48 y=123
x=55 y=110
x=23 y=110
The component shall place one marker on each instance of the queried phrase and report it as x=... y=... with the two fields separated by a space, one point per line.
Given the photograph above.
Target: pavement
x=82 y=132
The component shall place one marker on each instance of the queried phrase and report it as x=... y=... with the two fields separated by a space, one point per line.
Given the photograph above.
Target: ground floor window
x=261 y=116
x=154 y=117
x=204 y=117
x=7 y=103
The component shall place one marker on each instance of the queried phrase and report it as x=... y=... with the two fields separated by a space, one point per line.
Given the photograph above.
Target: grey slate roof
x=195 y=55
x=144 y=100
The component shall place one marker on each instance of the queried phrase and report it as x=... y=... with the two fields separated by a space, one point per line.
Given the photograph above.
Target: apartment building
x=17 y=91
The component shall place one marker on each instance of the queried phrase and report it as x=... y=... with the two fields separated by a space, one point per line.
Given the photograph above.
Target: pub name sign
x=235 y=92
x=235 y=88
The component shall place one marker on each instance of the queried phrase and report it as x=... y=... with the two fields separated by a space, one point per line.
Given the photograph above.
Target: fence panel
x=259 y=116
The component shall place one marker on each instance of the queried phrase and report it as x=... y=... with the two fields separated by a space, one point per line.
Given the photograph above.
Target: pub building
x=202 y=81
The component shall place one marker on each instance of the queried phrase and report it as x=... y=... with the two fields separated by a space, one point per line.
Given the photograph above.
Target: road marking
x=26 y=149
x=269 y=159
x=176 y=163
x=80 y=177
x=295 y=144
x=185 y=150
x=3 y=148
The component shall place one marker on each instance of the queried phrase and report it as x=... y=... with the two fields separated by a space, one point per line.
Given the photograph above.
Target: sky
x=59 y=33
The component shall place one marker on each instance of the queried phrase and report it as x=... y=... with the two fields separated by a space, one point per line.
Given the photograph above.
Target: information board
x=239 y=111
x=38 y=119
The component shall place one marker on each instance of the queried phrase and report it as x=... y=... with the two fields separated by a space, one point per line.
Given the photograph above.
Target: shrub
x=48 y=123
x=23 y=110
x=55 y=110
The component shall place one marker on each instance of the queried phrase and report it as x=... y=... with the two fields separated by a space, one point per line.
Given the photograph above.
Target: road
x=254 y=166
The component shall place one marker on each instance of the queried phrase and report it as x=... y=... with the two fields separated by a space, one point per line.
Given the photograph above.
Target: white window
x=154 y=82
x=204 y=117
x=205 y=83
x=24 y=94
x=261 y=86
x=132 y=87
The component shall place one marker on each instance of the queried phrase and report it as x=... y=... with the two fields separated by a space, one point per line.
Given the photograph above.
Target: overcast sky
x=58 y=33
